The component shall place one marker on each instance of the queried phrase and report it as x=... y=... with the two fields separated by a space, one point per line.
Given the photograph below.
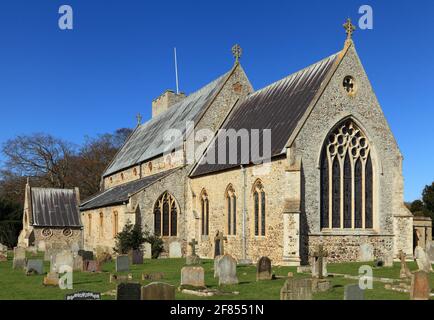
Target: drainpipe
x=244 y=184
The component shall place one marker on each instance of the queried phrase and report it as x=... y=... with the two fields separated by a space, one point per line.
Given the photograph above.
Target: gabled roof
x=121 y=194
x=147 y=141
x=54 y=208
x=278 y=107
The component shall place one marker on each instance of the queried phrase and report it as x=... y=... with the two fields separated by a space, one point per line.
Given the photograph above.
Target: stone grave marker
x=263 y=269
x=216 y=264
x=366 y=252
x=62 y=261
x=128 y=291
x=193 y=258
x=137 y=257
x=115 y=278
x=420 y=288
x=158 y=291
x=405 y=271
x=175 y=250
x=3 y=252
x=422 y=259
x=353 y=292
x=83 y=295
x=122 y=263
x=35 y=266
x=86 y=255
x=319 y=263
x=227 y=270
x=19 y=261
x=219 y=248
x=147 y=250
x=155 y=276
x=193 y=276
x=296 y=289
x=90 y=266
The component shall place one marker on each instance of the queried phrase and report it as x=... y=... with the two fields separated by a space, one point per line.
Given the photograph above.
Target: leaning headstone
x=83 y=295
x=296 y=289
x=366 y=252
x=35 y=267
x=19 y=261
x=263 y=269
x=158 y=291
x=405 y=271
x=420 y=287
x=137 y=257
x=175 y=250
x=193 y=276
x=128 y=291
x=122 y=263
x=227 y=270
x=147 y=250
x=422 y=259
x=353 y=292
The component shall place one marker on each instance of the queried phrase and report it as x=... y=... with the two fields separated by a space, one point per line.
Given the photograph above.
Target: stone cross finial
x=237 y=52
x=193 y=244
x=139 y=119
x=349 y=28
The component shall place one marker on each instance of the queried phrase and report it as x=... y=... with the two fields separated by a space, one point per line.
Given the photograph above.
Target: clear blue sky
x=119 y=57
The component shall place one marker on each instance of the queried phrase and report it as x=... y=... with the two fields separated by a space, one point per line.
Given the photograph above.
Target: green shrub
x=130 y=238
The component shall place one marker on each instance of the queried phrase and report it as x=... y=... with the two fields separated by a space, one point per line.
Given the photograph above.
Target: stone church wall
x=334 y=106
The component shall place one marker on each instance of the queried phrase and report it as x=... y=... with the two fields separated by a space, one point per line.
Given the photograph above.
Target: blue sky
x=97 y=77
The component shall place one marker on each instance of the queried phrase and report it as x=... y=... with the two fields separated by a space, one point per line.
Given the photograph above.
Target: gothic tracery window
x=346 y=182
x=231 y=209
x=204 y=203
x=259 y=200
x=166 y=216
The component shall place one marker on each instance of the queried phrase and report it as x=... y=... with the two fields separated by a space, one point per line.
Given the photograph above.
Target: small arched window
x=231 y=210
x=204 y=213
x=115 y=223
x=166 y=216
x=346 y=183
x=101 y=224
x=259 y=207
x=89 y=223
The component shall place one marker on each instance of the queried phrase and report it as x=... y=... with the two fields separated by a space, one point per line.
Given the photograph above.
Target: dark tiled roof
x=147 y=141
x=54 y=208
x=120 y=194
x=278 y=107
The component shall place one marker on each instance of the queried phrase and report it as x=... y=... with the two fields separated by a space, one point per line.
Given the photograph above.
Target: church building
x=315 y=163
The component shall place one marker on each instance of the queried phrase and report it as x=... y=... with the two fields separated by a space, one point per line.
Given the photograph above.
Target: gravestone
x=115 y=278
x=420 y=288
x=193 y=276
x=19 y=261
x=52 y=279
x=193 y=258
x=147 y=250
x=35 y=267
x=83 y=295
x=175 y=250
x=227 y=270
x=90 y=266
x=78 y=263
x=263 y=269
x=154 y=276
x=158 y=291
x=62 y=261
x=128 y=291
x=219 y=248
x=422 y=259
x=353 y=292
x=296 y=289
x=405 y=271
x=122 y=263
x=137 y=257
x=216 y=264
x=86 y=255
x=3 y=252
x=319 y=263
x=366 y=252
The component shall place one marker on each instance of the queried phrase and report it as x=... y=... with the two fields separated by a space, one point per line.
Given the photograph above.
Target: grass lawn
x=15 y=284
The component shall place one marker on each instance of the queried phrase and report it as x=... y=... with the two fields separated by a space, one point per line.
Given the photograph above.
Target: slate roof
x=147 y=141
x=54 y=208
x=278 y=107
x=120 y=194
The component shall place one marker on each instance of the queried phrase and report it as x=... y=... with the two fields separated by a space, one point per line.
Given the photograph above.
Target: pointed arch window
x=115 y=223
x=346 y=182
x=204 y=203
x=259 y=206
x=101 y=224
x=231 y=210
x=166 y=216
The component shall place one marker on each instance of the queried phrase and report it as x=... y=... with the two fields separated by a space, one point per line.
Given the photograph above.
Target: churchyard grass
x=16 y=285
